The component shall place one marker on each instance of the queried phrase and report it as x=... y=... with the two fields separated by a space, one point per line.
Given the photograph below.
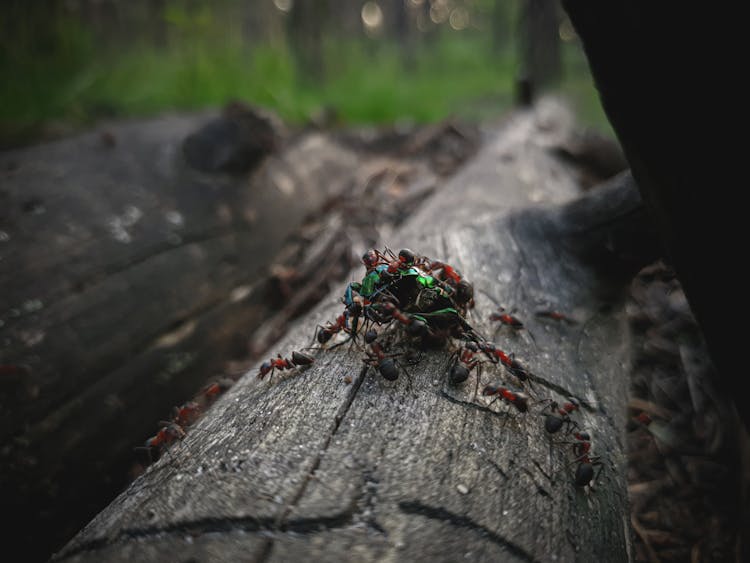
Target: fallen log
x=312 y=467
x=99 y=340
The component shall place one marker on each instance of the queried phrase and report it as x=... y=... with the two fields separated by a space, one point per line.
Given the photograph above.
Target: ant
x=506 y=319
x=464 y=295
x=450 y=274
x=326 y=332
x=186 y=414
x=216 y=388
x=515 y=398
x=556 y=316
x=559 y=416
x=386 y=365
x=514 y=366
x=464 y=363
x=373 y=258
x=297 y=359
x=585 y=469
x=462 y=290
x=405 y=258
x=169 y=433
x=415 y=325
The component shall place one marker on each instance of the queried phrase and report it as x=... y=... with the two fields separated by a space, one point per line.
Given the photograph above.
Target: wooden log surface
x=105 y=336
x=312 y=468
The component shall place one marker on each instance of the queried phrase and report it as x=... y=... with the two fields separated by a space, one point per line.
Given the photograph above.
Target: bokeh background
x=68 y=63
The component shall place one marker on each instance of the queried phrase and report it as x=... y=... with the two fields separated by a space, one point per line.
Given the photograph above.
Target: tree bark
x=310 y=467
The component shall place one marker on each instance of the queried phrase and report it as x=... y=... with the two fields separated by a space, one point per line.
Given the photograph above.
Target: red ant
x=514 y=366
x=405 y=258
x=464 y=294
x=186 y=414
x=465 y=362
x=348 y=321
x=414 y=325
x=386 y=365
x=168 y=434
x=463 y=291
x=449 y=273
x=326 y=332
x=297 y=359
x=506 y=319
x=373 y=258
x=519 y=400
x=556 y=316
x=216 y=388
x=560 y=416
x=586 y=463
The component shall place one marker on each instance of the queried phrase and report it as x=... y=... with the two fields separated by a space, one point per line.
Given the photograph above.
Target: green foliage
x=65 y=73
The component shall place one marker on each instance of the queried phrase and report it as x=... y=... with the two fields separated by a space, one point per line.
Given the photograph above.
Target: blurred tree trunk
x=539 y=46
x=158 y=24
x=306 y=24
x=401 y=29
x=500 y=22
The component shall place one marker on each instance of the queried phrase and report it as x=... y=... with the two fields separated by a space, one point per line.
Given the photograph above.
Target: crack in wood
x=279 y=521
x=496 y=467
x=541 y=490
x=369 y=496
x=195 y=528
x=459 y=521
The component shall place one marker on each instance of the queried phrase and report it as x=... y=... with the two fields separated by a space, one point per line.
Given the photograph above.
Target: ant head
x=370 y=258
x=471 y=346
x=574 y=403
x=324 y=335
x=459 y=373
x=464 y=292
x=406 y=256
x=583 y=436
x=417 y=327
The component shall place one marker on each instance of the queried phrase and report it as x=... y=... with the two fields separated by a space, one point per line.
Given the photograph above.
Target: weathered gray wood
x=105 y=335
x=313 y=468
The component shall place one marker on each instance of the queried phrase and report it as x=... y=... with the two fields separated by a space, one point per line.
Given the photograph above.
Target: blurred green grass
x=77 y=82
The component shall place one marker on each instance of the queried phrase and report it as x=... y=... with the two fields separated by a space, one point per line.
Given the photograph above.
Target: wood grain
x=311 y=468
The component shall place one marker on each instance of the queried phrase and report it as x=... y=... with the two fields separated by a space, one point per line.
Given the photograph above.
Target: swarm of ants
x=416 y=302
x=413 y=302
